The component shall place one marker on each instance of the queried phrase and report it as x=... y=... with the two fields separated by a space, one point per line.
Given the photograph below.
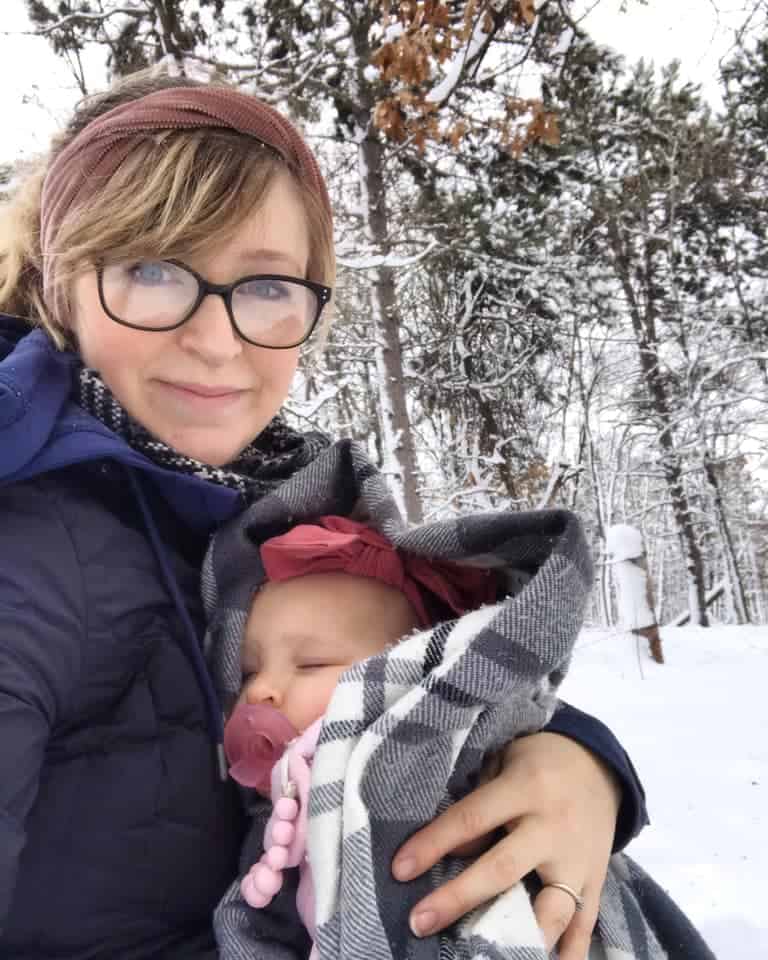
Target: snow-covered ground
x=697 y=730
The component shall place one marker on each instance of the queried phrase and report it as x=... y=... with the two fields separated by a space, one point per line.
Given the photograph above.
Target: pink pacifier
x=254 y=740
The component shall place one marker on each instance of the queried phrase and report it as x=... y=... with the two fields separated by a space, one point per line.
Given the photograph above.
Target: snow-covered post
x=624 y=544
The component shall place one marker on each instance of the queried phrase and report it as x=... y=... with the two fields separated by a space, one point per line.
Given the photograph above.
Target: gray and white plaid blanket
x=407 y=731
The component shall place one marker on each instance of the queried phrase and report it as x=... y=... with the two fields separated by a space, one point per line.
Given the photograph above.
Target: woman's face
x=200 y=388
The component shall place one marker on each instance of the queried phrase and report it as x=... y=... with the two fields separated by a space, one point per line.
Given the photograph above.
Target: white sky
x=696 y=32
x=37 y=88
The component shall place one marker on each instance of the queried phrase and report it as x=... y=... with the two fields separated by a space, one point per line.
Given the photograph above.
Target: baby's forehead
x=326 y=588
x=308 y=640
x=333 y=610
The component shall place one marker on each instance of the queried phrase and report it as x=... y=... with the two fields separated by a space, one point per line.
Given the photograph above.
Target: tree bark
x=651 y=632
x=399 y=454
x=736 y=584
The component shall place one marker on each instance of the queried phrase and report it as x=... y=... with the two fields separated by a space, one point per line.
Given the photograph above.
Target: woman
x=172 y=255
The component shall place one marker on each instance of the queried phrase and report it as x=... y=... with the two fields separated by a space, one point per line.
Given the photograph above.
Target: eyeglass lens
x=158 y=295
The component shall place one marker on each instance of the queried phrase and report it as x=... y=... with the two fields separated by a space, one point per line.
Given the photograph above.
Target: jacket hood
x=43 y=429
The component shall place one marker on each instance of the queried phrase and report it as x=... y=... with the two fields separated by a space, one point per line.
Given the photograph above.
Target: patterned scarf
x=271 y=458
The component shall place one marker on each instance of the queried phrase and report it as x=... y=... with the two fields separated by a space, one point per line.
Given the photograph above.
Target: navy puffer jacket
x=117 y=835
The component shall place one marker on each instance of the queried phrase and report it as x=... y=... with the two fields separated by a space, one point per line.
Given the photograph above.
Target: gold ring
x=570 y=891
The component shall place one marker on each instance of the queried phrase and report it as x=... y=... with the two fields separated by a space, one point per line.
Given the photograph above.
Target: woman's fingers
x=472 y=819
x=555 y=910
x=559 y=806
x=574 y=942
x=507 y=862
x=581 y=824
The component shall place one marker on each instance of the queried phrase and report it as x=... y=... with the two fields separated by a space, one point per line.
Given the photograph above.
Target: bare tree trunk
x=643 y=324
x=172 y=38
x=602 y=523
x=685 y=617
x=399 y=454
x=491 y=434
x=651 y=632
x=660 y=591
x=736 y=584
x=758 y=607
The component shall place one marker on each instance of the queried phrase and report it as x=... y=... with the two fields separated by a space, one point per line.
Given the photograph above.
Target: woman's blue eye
x=150 y=272
x=264 y=289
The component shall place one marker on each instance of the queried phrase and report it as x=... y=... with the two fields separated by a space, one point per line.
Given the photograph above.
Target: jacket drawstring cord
x=190 y=638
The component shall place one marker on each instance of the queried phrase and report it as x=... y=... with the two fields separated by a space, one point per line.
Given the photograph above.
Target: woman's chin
x=209 y=445
x=213 y=430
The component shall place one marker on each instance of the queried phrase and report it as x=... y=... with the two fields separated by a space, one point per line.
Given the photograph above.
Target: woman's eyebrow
x=263 y=254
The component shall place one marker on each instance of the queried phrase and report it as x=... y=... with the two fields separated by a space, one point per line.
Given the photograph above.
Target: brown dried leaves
x=429 y=35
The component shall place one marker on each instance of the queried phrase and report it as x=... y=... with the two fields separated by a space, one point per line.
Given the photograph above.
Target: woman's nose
x=209 y=333
x=263 y=688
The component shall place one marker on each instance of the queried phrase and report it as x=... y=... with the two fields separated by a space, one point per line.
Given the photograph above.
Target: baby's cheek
x=330 y=684
x=318 y=695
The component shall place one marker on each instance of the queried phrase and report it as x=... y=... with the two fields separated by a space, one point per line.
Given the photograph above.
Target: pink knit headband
x=336 y=544
x=99 y=149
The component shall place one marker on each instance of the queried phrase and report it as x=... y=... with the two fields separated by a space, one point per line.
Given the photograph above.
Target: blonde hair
x=176 y=192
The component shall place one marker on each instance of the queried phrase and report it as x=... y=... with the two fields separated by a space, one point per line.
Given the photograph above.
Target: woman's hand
x=559 y=804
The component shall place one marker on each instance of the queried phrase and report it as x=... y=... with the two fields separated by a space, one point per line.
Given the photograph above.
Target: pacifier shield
x=255 y=737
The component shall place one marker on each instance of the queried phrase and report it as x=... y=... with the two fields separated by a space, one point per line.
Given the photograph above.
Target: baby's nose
x=262 y=688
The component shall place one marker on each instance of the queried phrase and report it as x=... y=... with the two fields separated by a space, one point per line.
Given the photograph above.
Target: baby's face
x=302 y=634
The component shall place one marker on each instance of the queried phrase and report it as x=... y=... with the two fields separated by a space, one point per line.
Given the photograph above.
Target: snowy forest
x=553 y=267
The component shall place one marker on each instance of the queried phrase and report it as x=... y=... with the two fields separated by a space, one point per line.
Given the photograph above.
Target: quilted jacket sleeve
x=595 y=736
x=41 y=630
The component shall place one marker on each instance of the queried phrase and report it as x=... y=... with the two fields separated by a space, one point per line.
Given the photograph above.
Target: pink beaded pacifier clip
x=265 y=878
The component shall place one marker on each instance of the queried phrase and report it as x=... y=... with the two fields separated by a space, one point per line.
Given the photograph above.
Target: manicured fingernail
x=404 y=868
x=423 y=923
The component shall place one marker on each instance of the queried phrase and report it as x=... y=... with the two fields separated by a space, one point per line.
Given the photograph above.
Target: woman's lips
x=202 y=397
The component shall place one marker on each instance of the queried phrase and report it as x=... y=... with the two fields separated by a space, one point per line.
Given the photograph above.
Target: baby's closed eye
x=320 y=664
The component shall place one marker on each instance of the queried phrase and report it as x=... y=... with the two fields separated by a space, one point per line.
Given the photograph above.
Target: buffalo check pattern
x=406 y=733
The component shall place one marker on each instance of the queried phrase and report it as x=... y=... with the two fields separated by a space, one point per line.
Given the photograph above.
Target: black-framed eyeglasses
x=265 y=309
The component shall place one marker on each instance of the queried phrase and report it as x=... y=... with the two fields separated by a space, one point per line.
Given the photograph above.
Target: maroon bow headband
x=336 y=544
x=97 y=151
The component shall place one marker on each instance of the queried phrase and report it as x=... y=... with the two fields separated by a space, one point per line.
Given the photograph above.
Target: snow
x=695 y=729
x=391 y=260
x=462 y=56
x=632 y=595
x=624 y=542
